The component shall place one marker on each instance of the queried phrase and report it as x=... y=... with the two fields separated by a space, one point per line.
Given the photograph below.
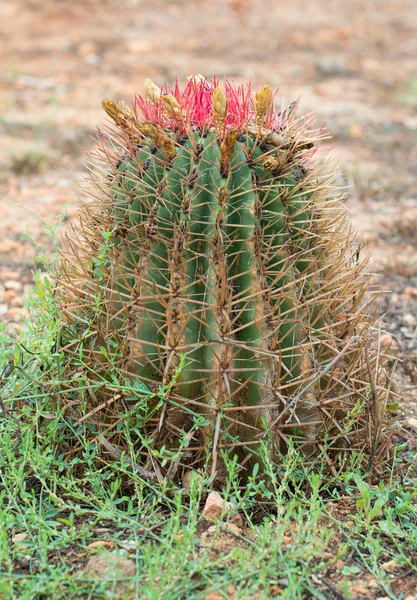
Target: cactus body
x=227 y=246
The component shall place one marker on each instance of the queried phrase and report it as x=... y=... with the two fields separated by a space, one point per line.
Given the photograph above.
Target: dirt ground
x=353 y=63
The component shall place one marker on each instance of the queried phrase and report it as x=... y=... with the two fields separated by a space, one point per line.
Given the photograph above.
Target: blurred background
x=352 y=62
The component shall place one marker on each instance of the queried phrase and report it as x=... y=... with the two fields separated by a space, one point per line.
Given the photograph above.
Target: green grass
x=311 y=535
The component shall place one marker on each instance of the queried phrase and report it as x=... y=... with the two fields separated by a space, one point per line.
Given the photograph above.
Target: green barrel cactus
x=214 y=267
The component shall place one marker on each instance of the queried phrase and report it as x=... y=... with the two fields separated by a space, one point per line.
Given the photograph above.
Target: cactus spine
x=227 y=245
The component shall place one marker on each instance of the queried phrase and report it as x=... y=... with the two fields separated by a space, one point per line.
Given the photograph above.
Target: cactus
x=214 y=235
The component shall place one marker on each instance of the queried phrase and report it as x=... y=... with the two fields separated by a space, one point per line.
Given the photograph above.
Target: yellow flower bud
x=263 y=102
x=219 y=101
x=171 y=106
x=152 y=91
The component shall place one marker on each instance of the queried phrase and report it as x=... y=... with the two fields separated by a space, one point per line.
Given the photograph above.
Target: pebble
x=412 y=422
x=409 y=320
x=216 y=506
x=9 y=295
x=7 y=274
x=16 y=313
x=128 y=545
x=16 y=301
x=388 y=341
x=332 y=66
x=111 y=566
x=19 y=537
x=390 y=565
x=234 y=528
x=214 y=596
x=12 y=284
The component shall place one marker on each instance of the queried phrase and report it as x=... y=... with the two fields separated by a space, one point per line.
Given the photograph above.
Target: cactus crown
x=213 y=234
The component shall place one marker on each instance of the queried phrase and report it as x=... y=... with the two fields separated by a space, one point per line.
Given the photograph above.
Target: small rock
x=3 y=309
x=16 y=301
x=356 y=131
x=231 y=593
x=234 y=528
x=409 y=320
x=332 y=66
x=214 y=596
x=11 y=284
x=19 y=537
x=390 y=565
x=86 y=47
x=128 y=545
x=216 y=506
x=139 y=47
x=410 y=292
x=7 y=274
x=63 y=183
x=360 y=590
x=92 y=59
x=372 y=583
x=17 y=313
x=412 y=422
x=102 y=544
x=388 y=341
x=110 y=566
x=9 y=295
x=7 y=246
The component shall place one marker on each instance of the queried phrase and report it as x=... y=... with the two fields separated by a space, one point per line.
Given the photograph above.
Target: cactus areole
x=214 y=267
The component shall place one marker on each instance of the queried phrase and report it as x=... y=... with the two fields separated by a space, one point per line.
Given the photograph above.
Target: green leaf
x=142 y=388
x=51 y=513
x=350 y=570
